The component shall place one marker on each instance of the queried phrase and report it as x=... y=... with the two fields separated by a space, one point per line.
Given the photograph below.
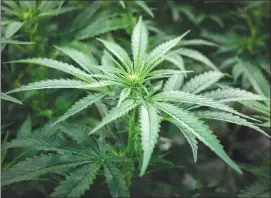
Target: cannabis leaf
x=4 y=96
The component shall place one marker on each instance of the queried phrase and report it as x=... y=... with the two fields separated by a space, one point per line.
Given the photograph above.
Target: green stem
x=131 y=134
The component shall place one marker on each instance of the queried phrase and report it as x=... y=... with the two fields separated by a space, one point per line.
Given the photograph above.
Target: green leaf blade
x=139 y=44
x=4 y=96
x=80 y=105
x=189 y=122
x=77 y=182
x=56 y=65
x=150 y=126
x=115 y=113
x=115 y=181
x=32 y=168
x=202 y=82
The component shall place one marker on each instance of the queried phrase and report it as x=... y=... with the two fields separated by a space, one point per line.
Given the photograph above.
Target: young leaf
x=115 y=113
x=139 y=44
x=161 y=50
x=80 y=105
x=192 y=125
x=150 y=126
x=202 y=82
x=77 y=182
x=32 y=168
x=115 y=181
x=162 y=73
x=174 y=82
x=119 y=52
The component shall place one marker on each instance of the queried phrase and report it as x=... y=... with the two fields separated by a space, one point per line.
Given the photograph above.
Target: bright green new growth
x=142 y=94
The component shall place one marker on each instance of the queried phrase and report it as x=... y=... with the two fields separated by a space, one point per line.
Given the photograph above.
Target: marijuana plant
x=23 y=14
x=77 y=156
x=146 y=101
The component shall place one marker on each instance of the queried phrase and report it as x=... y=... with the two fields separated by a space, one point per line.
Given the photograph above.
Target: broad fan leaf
x=115 y=181
x=191 y=124
x=179 y=96
x=80 y=105
x=62 y=83
x=202 y=82
x=115 y=113
x=32 y=168
x=232 y=95
x=4 y=96
x=195 y=55
x=139 y=44
x=77 y=182
x=58 y=66
x=150 y=126
x=227 y=117
x=159 y=52
x=123 y=95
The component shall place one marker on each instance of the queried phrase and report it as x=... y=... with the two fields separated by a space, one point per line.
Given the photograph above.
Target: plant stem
x=131 y=134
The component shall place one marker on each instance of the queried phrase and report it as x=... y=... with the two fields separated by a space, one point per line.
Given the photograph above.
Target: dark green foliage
x=109 y=98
